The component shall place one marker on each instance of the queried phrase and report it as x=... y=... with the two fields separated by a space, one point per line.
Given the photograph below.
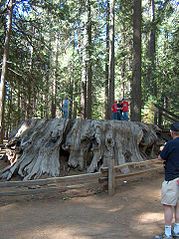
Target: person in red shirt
x=125 y=110
x=114 y=110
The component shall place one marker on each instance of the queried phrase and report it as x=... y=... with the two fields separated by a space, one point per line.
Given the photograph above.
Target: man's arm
x=161 y=159
x=163 y=156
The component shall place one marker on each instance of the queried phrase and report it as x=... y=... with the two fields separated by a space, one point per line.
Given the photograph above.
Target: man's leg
x=168 y=199
x=118 y=115
x=66 y=114
x=177 y=213
x=176 y=227
x=168 y=214
x=124 y=115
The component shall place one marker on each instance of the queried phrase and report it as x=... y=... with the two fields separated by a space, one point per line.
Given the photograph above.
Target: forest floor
x=134 y=212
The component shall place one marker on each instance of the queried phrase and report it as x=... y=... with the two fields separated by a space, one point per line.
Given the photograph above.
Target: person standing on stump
x=114 y=110
x=125 y=107
x=65 y=107
x=170 y=187
x=119 y=109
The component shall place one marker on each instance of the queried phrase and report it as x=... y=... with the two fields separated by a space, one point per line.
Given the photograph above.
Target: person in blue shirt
x=65 y=107
x=170 y=187
x=119 y=109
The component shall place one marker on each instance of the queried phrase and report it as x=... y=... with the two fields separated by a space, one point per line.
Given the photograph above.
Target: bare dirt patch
x=134 y=212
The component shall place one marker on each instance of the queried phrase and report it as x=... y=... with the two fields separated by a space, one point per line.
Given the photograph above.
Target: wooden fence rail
x=110 y=175
x=141 y=163
x=162 y=112
x=33 y=186
x=107 y=174
x=44 y=190
x=40 y=182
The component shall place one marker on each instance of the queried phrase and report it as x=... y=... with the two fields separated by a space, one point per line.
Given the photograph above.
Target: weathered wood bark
x=43 y=146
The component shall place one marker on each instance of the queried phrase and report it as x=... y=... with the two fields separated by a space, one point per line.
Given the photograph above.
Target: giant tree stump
x=39 y=146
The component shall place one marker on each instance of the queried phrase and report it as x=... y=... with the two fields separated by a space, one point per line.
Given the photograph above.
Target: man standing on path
x=170 y=187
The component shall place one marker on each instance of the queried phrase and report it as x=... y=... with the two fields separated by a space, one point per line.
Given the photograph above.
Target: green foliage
x=36 y=26
x=148 y=110
x=163 y=73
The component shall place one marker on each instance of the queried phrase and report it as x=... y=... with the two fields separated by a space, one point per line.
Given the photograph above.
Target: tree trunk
x=107 y=106
x=136 y=93
x=83 y=76
x=74 y=101
x=49 y=82
x=9 y=103
x=152 y=52
x=54 y=75
x=30 y=83
x=111 y=55
x=71 y=88
x=4 y=69
x=55 y=146
x=19 y=103
x=90 y=73
x=47 y=85
x=25 y=102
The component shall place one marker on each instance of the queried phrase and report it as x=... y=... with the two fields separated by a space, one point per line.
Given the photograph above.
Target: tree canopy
x=59 y=48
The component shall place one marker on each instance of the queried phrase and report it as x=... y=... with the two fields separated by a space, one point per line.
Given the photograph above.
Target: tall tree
x=37 y=68
x=54 y=75
x=136 y=92
x=4 y=67
x=111 y=53
x=152 y=51
x=107 y=106
x=90 y=72
x=30 y=91
x=83 y=73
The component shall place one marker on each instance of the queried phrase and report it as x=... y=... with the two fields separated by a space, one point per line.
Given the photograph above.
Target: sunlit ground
x=134 y=212
x=149 y=217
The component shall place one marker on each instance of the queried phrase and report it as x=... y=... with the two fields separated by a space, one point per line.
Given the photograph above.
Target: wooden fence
x=37 y=186
x=108 y=175
x=162 y=112
x=111 y=173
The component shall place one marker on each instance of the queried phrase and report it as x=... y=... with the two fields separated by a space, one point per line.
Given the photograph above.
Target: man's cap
x=120 y=99
x=125 y=98
x=175 y=126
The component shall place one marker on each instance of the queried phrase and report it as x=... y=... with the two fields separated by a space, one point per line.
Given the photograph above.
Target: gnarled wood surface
x=48 y=146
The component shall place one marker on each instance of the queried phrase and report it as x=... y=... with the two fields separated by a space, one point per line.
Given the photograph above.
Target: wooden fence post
x=111 y=177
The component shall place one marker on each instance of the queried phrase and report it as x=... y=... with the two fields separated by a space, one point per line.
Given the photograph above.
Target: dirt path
x=134 y=212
